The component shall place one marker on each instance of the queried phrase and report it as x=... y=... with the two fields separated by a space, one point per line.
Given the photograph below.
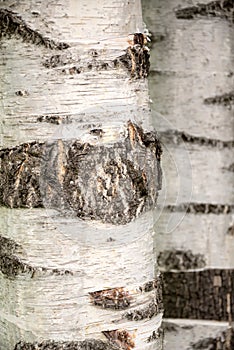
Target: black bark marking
x=125 y=185
x=11 y=24
x=230 y=230
x=220 y=342
x=226 y=99
x=221 y=8
x=54 y=119
x=121 y=338
x=11 y=266
x=89 y=344
x=22 y=93
x=201 y=208
x=199 y=295
x=19 y=176
x=180 y=260
x=115 y=298
x=177 y=137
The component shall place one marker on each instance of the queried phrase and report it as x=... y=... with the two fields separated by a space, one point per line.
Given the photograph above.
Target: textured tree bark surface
x=191 y=87
x=79 y=178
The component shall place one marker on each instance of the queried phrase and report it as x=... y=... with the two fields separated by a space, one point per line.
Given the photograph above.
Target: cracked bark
x=79 y=179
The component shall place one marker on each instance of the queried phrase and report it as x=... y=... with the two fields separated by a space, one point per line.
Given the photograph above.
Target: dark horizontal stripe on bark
x=54 y=119
x=120 y=298
x=221 y=8
x=136 y=60
x=177 y=137
x=180 y=260
x=90 y=344
x=11 y=265
x=54 y=175
x=226 y=99
x=201 y=208
x=207 y=294
x=153 y=308
x=11 y=24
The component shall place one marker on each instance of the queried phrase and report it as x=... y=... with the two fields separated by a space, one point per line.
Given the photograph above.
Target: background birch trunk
x=191 y=85
x=79 y=178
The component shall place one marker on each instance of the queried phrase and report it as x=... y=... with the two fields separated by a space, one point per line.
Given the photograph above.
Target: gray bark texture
x=79 y=178
x=191 y=87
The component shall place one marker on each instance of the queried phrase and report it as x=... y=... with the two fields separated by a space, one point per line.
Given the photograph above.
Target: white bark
x=66 y=258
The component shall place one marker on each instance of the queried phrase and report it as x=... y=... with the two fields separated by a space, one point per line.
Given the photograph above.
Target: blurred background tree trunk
x=191 y=87
x=79 y=178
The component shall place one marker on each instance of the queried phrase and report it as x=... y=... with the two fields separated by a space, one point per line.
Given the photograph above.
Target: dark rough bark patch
x=89 y=344
x=121 y=338
x=226 y=99
x=199 y=295
x=115 y=298
x=19 y=176
x=201 y=208
x=220 y=342
x=11 y=24
x=221 y=8
x=125 y=176
x=180 y=260
x=136 y=60
x=177 y=137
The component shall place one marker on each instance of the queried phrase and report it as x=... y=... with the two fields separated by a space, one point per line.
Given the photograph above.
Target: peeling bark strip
x=221 y=342
x=89 y=344
x=204 y=294
x=11 y=265
x=225 y=99
x=11 y=24
x=177 y=137
x=180 y=260
x=122 y=338
x=201 y=208
x=125 y=176
x=116 y=298
x=221 y=8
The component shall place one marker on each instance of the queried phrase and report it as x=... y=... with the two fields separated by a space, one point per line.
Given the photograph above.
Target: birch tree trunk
x=191 y=86
x=79 y=178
